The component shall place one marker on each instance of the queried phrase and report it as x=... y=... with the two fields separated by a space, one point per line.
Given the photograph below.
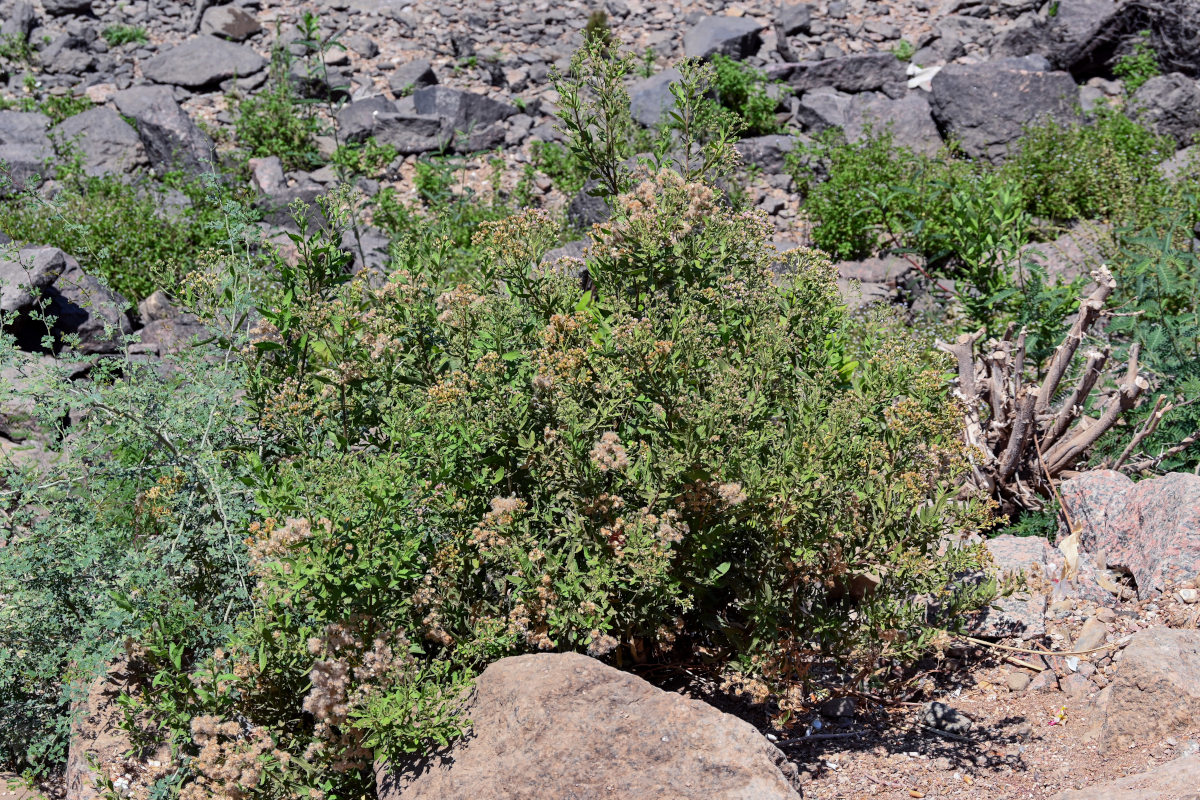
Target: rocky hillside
x=1005 y=611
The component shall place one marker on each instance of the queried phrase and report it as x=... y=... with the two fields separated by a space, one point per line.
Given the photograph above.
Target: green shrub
x=55 y=106
x=1139 y=65
x=1103 y=169
x=277 y=121
x=694 y=459
x=596 y=30
x=364 y=158
x=121 y=232
x=743 y=90
x=904 y=50
x=1158 y=275
x=553 y=160
x=130 y=547
x=117 y=35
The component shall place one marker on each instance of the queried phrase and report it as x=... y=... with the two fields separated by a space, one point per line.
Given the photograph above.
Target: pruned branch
x=1007 y=417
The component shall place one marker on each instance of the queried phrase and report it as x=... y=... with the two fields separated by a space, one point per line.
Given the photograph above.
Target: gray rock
x=466 y=111
x=795 y=18
x=822 y=109
x=25 y=147
x=946 y=718
x=888 y=270
x=229 y=22
x=413 y=133
x=408 y=78
x=1170 y=104
x=81 y=306
x=735 y=37
x=165 y=329
x=1184 y=163
x=108 y=143
x=1174 y=780
x=268 y=174
x=768 y=153
x=863 y=72
x=59 y=8
x=650 y=99
x=357 y=121
x=26 y=275
x=986 y=108
x=172 y=140
x=202 y=62
x=19 y=23
x=1074 y=254
x=360 y=43
x=585 y=209
x=1155 y=691
x=573 y=249
x=908 y=119
x=68 y=55
x=566 y=726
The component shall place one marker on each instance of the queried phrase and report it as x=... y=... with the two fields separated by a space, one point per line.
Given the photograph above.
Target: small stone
x=838 y=708
x=1018 y=681
x=1091 y=635
x=1189 y=596
x=946 y=718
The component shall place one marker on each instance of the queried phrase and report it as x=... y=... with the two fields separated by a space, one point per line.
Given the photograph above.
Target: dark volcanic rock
x=735 y=37
x=863 y=72
x=19 y=22
x=58 y=8
x=987 y=107
x=466 y=111
x=202 y=62
x=408 y=78
x=170 y=137
x=1170 y=104
x=25 y=147
x=80 y=305
x=107 y=142
x=566 y=726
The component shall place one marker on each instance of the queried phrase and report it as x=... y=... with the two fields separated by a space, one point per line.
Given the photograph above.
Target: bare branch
x=1089 y=311
x=1148 y=428
x=1022 y=426
x=1074 y=404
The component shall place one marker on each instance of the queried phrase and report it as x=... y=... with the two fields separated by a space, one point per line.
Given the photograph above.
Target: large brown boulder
x=1155 y=692
x=1177 y=780
x=564 y=726
x=1150 y=529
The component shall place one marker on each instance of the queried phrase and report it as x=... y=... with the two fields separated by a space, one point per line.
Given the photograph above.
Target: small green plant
x=1139 y=65
x=597 y=31
x=117 y=35
x=55 y=106
x=121 y=232
x=15 y=50
x=364 y=158
x=277 y=121
x=649 y=59
x=555 y=161
x=743 y=90
x=904 y=50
